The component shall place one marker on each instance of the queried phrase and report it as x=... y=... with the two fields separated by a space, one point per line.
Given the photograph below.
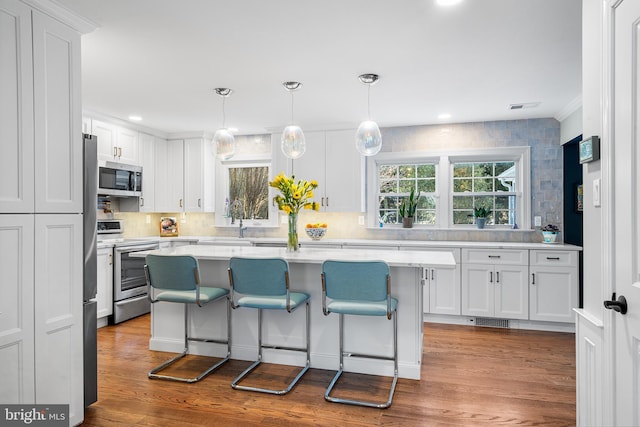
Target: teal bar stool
x=173 y=278
x=360 y=288
x=263 y=284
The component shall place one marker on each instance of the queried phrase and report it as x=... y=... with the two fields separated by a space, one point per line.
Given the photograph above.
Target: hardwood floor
x=471 y=376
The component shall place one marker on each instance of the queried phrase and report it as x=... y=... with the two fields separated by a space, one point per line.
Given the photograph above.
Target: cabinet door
x=444 y=290
x=106 y=133
x=553 y=294
x=16 y=109
x=343 y=173
x=146 y=146
x=127 y=142
x=16 y=309
x=105 y=282
x=59 y=312
x=477 y=290
x=58 y=116
x=199 y=180
x=312 y=164
x=511 y=292
x=174 y=184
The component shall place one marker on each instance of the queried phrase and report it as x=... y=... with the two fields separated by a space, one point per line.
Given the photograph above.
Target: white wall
x=571 y=126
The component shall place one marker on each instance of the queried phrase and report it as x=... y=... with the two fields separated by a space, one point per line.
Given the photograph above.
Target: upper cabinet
x=184 y=176
x=146 y=155
x=40 y=113
x=116 y=143
x=332 y=159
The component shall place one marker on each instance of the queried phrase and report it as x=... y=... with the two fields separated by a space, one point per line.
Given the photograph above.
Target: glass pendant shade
x=368 y=138
x=225 y=144
x=223 y=139
x=292 y=142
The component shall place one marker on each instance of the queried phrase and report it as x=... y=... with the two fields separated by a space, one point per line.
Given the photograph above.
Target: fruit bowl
x=316 y=231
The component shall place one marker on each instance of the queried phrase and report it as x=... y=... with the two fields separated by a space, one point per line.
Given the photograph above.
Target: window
x=396 y=182
x=451 y=185
x=249 y=192
x=492 y=185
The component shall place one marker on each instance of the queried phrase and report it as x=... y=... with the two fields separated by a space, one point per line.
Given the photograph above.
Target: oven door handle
x=137 y=248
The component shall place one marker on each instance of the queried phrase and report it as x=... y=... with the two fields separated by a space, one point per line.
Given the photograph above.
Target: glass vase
x=292 y=235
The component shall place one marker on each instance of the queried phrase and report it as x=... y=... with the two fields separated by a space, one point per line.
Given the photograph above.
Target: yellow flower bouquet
x=295 y=195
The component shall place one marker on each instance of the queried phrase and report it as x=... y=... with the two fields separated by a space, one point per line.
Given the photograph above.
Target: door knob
x=619 y=305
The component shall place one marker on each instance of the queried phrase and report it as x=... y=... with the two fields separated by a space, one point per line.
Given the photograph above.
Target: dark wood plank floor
x=471 y=376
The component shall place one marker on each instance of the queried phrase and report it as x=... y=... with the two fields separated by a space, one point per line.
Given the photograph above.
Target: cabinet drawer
x=553 y=258
x=497 y=256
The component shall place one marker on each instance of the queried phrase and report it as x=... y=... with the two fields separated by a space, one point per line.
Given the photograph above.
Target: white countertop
x=312 y=255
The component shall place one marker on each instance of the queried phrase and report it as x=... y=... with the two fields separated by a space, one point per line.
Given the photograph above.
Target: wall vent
x=523 y=105
x=490 y=322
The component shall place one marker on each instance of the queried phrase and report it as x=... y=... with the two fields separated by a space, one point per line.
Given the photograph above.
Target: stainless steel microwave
x=117 y=179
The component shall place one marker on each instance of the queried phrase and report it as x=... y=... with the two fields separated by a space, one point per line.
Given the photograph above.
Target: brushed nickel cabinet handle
x=180 y=202
x=199 y=201
x=533 y=278
x=115 y=151
x=119 y=151
x=141 y=201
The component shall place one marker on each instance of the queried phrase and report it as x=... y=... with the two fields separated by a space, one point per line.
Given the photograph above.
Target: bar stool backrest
x=356 y=280
x=173 y=272
x=259 y=276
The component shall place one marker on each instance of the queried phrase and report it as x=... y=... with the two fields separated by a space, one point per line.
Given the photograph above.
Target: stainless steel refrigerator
x=90 y=289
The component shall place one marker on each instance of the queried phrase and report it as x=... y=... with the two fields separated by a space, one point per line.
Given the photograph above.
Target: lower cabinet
x=441 y=286
x=494 y=283
x=41 y=317
x=105 y=282
x=553 y=290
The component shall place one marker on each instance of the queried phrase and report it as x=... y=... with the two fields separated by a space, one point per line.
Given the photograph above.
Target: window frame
x=222 y=189
x=521 y=156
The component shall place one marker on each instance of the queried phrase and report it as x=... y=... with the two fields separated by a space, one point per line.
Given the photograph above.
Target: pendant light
x=223 y=139
x=368 y=138
x=292 y=142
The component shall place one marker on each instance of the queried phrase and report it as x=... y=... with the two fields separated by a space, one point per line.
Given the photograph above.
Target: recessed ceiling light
x=444 y=116
x=135 y=118
x=447 y=2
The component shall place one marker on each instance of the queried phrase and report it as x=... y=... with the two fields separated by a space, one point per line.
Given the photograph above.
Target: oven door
x=129 y=271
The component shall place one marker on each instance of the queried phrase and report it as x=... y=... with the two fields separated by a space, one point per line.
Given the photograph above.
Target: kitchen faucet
x=236 y=210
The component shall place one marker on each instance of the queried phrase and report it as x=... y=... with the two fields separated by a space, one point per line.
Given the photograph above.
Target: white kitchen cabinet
x=332 y=160
x=441 y=286
x=494 y=283
x=17 y=341
x=146 y=154
x=16 y=108
x=184 y=176
x=104 y=296
x=86 y=125
x=41 y=170
x=553 y=290
x=59 y=311
x=116 y=143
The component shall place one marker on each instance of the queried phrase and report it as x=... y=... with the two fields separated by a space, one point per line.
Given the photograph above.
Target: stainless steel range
x=129 y=284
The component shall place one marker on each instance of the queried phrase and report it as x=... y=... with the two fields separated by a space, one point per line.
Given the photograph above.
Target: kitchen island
x=362 y=333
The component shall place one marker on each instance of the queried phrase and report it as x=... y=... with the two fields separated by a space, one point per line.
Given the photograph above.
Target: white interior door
x=626 y=243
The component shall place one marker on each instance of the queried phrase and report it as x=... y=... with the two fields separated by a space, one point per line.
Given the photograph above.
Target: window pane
x=502 y=202
x=425 y=217
x=388 y=171
x=405 y=186
x=407 y=171
x=388 y=186
x=505 y=169
x=426 y=171
x=427 y=202
x=483 y=201
x=483 y=169
x=463 y=217
x=250 y=186
x=427 y=185
x=387 y=203
x=462 y=185
x=464 y=202
x=483 y=185
x=462 y=170
x=503 y=184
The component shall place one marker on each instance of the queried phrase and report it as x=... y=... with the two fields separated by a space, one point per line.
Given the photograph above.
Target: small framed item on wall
x=168 y=226
x=589 y=150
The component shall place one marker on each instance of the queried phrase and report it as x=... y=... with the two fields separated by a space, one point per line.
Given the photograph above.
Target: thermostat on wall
x=590 y=150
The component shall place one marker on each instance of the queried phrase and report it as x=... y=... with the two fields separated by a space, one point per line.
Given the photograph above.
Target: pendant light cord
x=291 y=107
x=369 y=102
x=224 y=116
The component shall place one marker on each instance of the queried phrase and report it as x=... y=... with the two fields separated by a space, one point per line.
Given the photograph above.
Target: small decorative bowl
x=316 y=233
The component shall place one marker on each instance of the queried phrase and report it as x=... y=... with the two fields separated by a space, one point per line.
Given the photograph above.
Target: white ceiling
x=161 y=59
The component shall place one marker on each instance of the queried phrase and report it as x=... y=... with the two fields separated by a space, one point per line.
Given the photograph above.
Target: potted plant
x=550 y=233
x=408 y=209
x=480 y=214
